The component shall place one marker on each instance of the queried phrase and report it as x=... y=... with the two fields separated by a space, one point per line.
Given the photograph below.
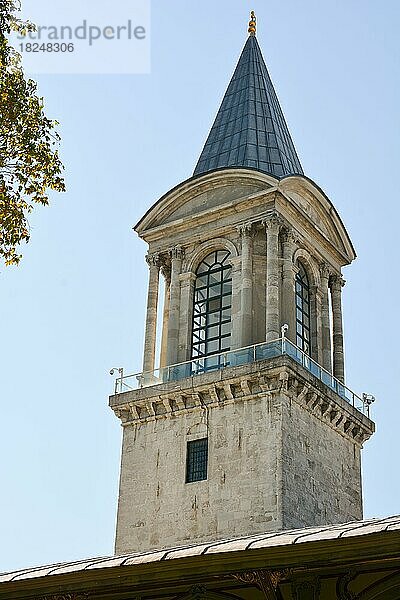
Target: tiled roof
x=250 y=129
x=254 y=542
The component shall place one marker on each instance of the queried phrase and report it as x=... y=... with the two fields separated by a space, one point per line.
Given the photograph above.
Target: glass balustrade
x=236 y=358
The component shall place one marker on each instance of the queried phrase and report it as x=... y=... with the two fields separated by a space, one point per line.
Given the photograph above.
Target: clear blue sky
x=75 y=307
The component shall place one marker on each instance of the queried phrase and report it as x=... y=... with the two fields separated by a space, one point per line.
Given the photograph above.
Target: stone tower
x=245 y=425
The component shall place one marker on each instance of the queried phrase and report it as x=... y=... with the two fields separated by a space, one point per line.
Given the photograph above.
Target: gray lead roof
x=250 y=129
x=253 y=542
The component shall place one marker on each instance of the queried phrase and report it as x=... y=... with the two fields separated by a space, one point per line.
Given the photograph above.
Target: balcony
x=239 y=357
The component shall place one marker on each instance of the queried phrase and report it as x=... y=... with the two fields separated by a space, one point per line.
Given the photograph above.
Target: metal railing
x=234 y=358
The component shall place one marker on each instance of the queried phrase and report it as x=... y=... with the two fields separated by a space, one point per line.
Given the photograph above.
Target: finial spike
x=252 y=24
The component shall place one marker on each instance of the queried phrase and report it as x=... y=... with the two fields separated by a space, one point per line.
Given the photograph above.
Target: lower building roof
x=357 y=529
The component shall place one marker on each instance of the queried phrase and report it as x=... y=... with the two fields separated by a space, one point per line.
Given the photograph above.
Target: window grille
x=196 y=460
x=211 y=333
x=303 y=314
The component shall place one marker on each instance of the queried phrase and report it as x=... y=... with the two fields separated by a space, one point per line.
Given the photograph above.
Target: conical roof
x=250 y=129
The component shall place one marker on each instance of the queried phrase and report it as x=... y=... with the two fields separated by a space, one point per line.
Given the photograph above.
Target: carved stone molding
x=278 y=576
x=165 y=400
x=266 y=581
x=328 y=411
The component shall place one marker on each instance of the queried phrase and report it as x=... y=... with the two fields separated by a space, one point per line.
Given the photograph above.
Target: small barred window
x=196 y=460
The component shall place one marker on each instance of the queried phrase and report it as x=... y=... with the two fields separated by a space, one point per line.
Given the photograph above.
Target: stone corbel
x=284 y=381
x=167 y=405
x=228 y=392
x=311 y=399
x=305 y=389
x=123 y=415
x=150 y=409
x=244 y=384
x=134 y=412
x=214 y=394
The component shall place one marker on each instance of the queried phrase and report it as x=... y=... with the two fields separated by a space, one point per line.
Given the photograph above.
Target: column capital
x=246 y=229
x=336 y=282
x=325 y=270
x=273 y=222
x=154 y=260
x=289 y=235
x=177 y=252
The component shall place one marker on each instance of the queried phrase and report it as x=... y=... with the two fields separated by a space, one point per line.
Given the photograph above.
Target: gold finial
x=253 y=23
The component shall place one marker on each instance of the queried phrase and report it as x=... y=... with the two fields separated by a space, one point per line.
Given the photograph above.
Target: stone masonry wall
x=321 y=471
x=158 y=509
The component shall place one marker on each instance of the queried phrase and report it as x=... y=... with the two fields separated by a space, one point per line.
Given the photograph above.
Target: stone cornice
x=271 y=378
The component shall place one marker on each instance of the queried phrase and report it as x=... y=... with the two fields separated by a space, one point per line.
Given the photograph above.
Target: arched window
x=303 y=313
x=212 y=310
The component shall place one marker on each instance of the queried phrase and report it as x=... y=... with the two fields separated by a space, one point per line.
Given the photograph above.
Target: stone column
x=325 y=320
x=288 y=284
x=187 y=281
x=246 y=307
x=273 y=332
x=236 y=302
x=174 y=305
x=149 y=354
x=338 y=352
x=317 y=342
x=166 y=271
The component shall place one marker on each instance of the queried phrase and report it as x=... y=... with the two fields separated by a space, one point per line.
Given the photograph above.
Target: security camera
x=112 y=372
x=285 y=327
x=368 y=398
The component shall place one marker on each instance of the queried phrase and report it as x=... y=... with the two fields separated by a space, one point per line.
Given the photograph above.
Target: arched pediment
x=311 y=201
x=200 y=194
x=232 y=189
